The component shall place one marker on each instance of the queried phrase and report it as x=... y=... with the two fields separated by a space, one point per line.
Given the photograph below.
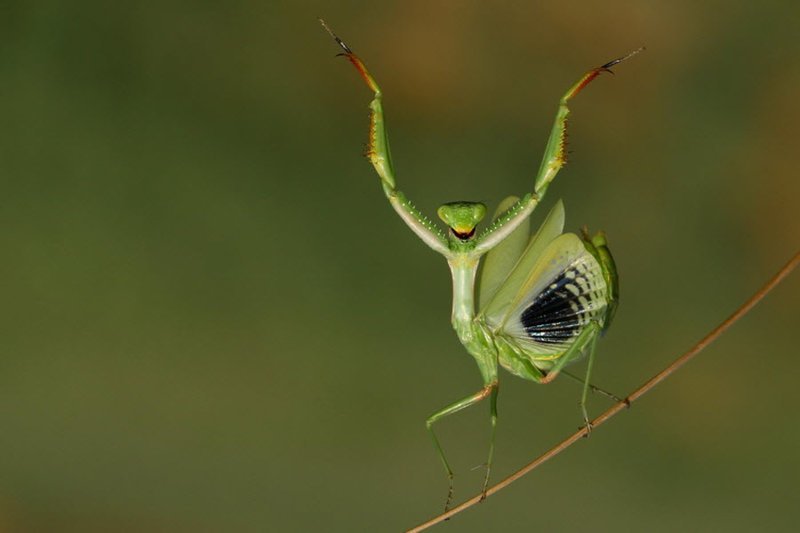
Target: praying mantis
x=543 y=300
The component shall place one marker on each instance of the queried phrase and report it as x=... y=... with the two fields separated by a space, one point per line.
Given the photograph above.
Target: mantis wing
x=508 y=276
x=501 y=259
x=563 y=293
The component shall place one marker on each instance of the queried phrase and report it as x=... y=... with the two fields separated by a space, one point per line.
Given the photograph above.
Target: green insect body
x=544 y=299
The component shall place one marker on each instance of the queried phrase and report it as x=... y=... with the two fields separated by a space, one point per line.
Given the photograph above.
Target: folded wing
x=507 y=266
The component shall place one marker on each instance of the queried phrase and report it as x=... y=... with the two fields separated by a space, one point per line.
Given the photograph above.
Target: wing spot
x=575 y=297
x=573 y=289
x=584 y=284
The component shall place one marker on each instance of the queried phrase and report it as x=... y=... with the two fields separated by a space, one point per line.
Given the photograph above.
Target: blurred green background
x=212 y=320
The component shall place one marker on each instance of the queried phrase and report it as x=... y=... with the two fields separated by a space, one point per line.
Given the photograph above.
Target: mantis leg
x=380 y=156
x=489 y=390
x=555 y=154
x=588 y=337
x=555 y=157
x=592 y=347
x=593 y=387
x=493 y=412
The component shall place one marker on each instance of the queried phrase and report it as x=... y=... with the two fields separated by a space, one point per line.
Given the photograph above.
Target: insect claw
x=336 y=38
x=619 y=400
x=607 y=66
x=449 y=494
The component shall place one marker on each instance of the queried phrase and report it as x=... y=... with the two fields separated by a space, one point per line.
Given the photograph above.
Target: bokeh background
x=212 y=321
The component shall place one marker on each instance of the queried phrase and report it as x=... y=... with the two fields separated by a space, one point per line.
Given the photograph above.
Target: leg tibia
x=489 y=389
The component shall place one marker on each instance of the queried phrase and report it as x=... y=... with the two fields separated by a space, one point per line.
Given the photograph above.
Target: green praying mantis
x=543 y=300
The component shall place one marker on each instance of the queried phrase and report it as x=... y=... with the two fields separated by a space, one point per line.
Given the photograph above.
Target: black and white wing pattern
x=563 y=293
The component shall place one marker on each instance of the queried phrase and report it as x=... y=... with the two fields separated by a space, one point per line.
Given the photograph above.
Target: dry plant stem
x=632 y=397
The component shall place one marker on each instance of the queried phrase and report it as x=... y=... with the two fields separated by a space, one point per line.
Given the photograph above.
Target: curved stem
x=632 y=397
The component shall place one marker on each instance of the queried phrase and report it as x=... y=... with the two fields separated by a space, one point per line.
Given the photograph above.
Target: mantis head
x=462 y=217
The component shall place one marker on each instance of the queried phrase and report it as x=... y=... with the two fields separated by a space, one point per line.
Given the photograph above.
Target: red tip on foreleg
x=592 y=74
x=354 y=59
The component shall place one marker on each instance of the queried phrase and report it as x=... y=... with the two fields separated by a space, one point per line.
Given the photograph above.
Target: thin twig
x=632 y=397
